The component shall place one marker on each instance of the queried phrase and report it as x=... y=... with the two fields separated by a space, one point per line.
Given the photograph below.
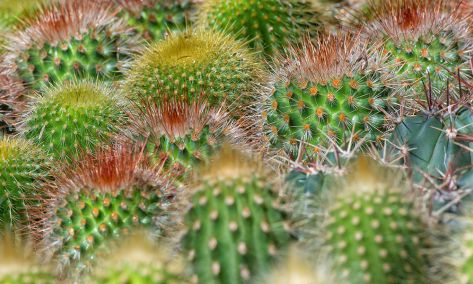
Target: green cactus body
x=267 y=25
x=234 y=228
x=74 y=118
x=80 y=39
x=435 y=144
x=315 y=114
x=376 y=238
x=190 y=65
x=154 y=18
x=30 y=277
x=22 y=167
x=144 y=274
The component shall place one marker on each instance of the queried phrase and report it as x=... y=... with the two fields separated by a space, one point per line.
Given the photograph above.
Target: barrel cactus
x=155 y=18
x=74 y=117
x=19 y=264
x=100 y=198
x=372 y=232
x=190 y=64
x=138 y=260
x=426 y=41
x=318 y=100
x=23 y=166
x=67 y=40
x=235 y=225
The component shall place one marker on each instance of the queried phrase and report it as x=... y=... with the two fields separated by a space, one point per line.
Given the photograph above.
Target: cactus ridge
x=73 y=118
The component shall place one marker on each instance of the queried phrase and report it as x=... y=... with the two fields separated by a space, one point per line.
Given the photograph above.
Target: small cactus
x=23 y=166
x=235 y=226
x=155 y=18
x=319 y=100
x=137 y=260
x=189 y=64
x=74 y=117
x=100 y=198
x=68 y=40
x=372 y=231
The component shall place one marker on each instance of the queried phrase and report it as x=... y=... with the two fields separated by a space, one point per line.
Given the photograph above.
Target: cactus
x=373 y=231
x=319 y=100
x=184 y=134
x=73 y=118
x=426 y=41
x=154 y=18
x=19 y=264
x=189 y=64
x=22 y=167
x=137 y=260
x=67 y=40
x=235 y=226
x=267 y=25
x=96 y=200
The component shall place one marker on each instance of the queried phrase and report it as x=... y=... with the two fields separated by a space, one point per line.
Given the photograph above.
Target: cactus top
x=191 y=63
x=66 y=40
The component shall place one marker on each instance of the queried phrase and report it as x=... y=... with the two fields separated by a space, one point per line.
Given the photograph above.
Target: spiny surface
x=22 y=167
x=189 y=64
x=235 y=226
x=67 y=40
x=73 y=118
x=155 y=18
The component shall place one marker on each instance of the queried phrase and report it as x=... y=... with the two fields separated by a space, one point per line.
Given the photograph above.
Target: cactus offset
x=137 y=260
x=426 y=41
x=235 y=226
x=98 y=199
x=154 y=18
x=189 y=64
x=373 y=232
x=74 y=117
x=67 y=40
x=321 y=100
x=22 y=167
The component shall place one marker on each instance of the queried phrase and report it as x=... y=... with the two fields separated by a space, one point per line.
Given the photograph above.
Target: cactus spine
x=235 y=226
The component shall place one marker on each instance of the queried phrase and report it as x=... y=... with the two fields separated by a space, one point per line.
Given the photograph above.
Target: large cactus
x=235 y=226
x=23 y=166
x=74 y=117
x=100 y=198
x=190 y=64
x=321 y=100
x=67 y=40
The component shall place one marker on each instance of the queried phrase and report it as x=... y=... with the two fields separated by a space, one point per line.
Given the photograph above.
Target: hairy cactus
x=373 y=232
x=20 y=266
x=22 y=167
x=189 y=64
x=74 y=117
x=426 y=41
x=67 y=40
x=235 y=226
x=154 y=18
x=319 y=100
x=137 y=260
x=184 y=134
x=98 y=199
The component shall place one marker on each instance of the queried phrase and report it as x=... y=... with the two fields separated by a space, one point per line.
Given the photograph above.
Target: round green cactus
x=421 y=50
x=67 y=40
x=373 y=232
x=190 y=65
x=22 y=167
x=155 y=18
x=102 y=198
x=74 y=117
x=235 y=226
x=267 y=25
x=321 y=100
x=139 y=261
